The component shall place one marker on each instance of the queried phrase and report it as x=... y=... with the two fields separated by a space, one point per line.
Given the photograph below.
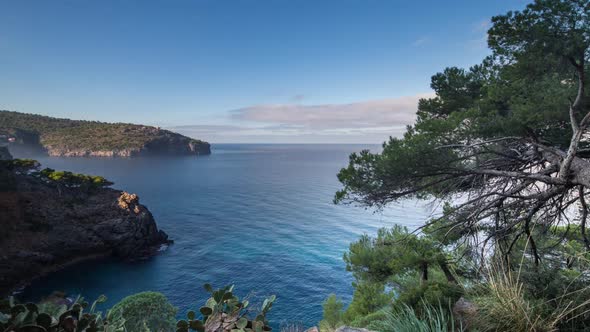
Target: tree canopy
x=504 y=142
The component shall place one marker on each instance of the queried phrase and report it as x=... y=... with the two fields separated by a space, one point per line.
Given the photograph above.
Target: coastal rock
x=129 y=202
x=44 y=230
x=4 y=153
x=465 y=312
x=313 y=329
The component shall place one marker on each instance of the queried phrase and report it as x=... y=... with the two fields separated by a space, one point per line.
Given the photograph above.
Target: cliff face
x=29 y=134
x=163 y=144
x=4 y=153
x=43 y=229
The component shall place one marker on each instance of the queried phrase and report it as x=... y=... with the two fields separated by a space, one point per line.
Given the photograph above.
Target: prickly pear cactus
x=225 y=312
x=31 y=317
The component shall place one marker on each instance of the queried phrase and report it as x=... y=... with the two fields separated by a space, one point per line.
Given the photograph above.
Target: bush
x=333 y=314
x=432 y=293
x=225 y=312
x=146 y=311
x=371 y=319
x=406 y=319
x=20 y=166
x=504 y=306
x=73 y=180
x=367 y=298
x=57 y=315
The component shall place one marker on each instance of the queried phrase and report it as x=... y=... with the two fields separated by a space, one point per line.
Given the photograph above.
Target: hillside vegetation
x=83 y=138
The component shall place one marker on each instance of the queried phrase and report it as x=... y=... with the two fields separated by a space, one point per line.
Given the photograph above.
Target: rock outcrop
x=465 y=312
x=4 y=153
x=43 y=229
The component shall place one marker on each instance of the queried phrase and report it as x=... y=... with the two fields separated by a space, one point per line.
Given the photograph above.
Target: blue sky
x=277 y=71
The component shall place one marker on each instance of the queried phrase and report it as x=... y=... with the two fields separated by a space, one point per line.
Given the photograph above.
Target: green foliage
x=520 y=94
x=371 y=319
x=79 y=317
x=8 y=168
x=432 y=293
x=85 y=135
x=368 y=297
x=146 y=311
x=491 y=146
x=416 y=264
x=332 y=313
x=20 y=166
x=546 y=30
x=73 y=180
x=224 y=311
x=407 y=319
x=505 y=306
x=395 y=251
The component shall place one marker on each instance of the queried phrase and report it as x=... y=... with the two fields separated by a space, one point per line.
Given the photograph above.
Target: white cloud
x=370 y=121
x=366 y=114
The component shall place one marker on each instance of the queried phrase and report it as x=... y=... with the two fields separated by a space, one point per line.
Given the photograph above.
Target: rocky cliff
x=30 y=133
x=44 y=228
x=4 y=153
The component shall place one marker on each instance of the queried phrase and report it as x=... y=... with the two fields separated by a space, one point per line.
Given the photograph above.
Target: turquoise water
x=258 y=216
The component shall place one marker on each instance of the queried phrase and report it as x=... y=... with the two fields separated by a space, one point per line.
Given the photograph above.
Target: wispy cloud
x=372 y=113
x=420 y=41
x=286 y=134
x=370 y=121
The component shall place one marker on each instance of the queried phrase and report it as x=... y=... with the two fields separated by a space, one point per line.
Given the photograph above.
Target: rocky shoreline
x=45 y=229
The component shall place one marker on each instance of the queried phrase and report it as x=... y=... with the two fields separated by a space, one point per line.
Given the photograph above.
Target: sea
x=258 y=216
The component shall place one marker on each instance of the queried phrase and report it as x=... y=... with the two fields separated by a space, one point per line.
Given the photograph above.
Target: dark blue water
x=258 y=216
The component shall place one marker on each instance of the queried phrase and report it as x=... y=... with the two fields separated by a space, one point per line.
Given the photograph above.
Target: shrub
x=57 y=317
x=432 y=293
x=149 y=310
x=367 y=298
x=333 y=314
x=504 y=306
x=406 y=319
x=20 y=166
x=225 y=312
x=371 y=318
x=72 y=180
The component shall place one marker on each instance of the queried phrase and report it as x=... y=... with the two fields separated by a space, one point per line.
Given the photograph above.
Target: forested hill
x=76 y=138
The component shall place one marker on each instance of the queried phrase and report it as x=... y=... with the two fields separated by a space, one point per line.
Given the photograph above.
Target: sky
x=240 y=71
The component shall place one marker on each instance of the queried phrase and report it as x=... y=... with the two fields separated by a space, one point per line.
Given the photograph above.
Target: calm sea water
x=258 y=216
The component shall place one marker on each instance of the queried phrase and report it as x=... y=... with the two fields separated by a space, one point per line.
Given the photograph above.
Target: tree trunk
x=424 y=269
x=445 y=268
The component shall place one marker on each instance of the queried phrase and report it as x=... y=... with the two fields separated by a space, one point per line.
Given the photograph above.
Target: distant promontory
x=76 y=138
